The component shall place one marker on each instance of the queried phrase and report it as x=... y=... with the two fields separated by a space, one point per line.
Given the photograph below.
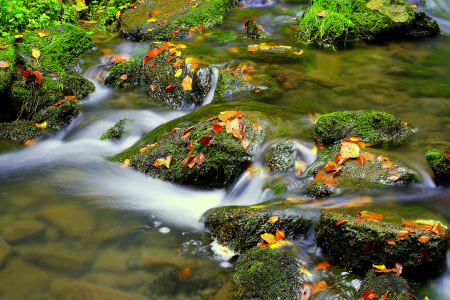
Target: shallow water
x=70 y=221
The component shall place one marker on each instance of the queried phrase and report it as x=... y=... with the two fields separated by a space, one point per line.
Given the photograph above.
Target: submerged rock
x=371 y=126
x=264 y=273
x=183 y=16
x=194 y=150
x=334 y=23
x=390 y=284
x=116 y=132
x=240 y=228
x=439 y=162
x=253 y=30
x=413 y=237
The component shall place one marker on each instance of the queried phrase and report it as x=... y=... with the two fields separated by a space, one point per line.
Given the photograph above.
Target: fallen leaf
x=368 y=295
x=273 y=219
x=206 y=140
x=191 y=145
x=280 y=244
x=151 y=20
x=186 y=135
x=236 y=133
x=80 y=5
x=330 y=167
x=348 y=150
x=186 y=84
x=322 y=266
x=269 y=238
x=42 y=33
x=153 y=53
x=279 y=235
x=4 y=47
x=253 y=48
x=178 y=73
x=178 y=63
x=322 y=13
x=169 y=88
x=159 y=162
x=245 y=143
x=146 y=59
x=398 y=268
x=151 y=65
x=124 y=77
x=232 y=123
x=125 y=163
x=30 y=142
x=330 y=181
x=384 y=296
x=300 y=167
x=401 y=235
x=152 y=87
x=361 y=160
x=340 y=222
x=298 y=52
x=193 y=67
x=36 y=53
x=200 y=158
x=391 y=242
x=18 y=36
x=42 y=125
x=386 y=164
x=4 y=64
x=185 y=272
x=174 y=129
x=358 y=221
x=395 y=176
x=305 y=271
x=217 y=127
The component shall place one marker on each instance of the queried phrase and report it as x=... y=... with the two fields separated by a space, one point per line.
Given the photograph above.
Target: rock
x=330 y=24
x=116 y=132
x=274 y=53
x=252 y=30
x=330 y=174
x=19 y=131
x=80 y=290
x=280 y=158
x=240 y=228
x=221 y=162
x=15 y=231
x=112 y=260
x=371 y=126
x=135 y=22
x=385 y=235
x=228 y=85
x=264 y=273
x=439 y=162
x=72 y=219
x=380 y=283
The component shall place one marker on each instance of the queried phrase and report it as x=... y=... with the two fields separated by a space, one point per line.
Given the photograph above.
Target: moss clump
x=133 y=68
x=19 y=131
x=183 y=16
x=240 y=228
x=371 y=126
x=380 y=283
x=58 y=116
x=439 y=162
x=359 y=245
x=265 y=273
x=228 y=85
x=116 y=132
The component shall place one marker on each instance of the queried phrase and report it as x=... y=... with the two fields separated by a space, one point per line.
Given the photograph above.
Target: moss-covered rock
x=8 y=55
x=224 y=159
x=411 y=236
x=396 y=287
x=367 y=171
x=135 y=22
x=371 y=126
x=439 y=162
x=240 y=228
x=334 y=23
x=253 y=31
x=116 y=132
x=272 y=52
x=264 y=273
x=280 y=158
x=58 y=116
x=19 y=131
x=229 y=84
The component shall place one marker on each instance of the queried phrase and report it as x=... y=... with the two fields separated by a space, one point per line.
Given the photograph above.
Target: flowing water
x=73 y=224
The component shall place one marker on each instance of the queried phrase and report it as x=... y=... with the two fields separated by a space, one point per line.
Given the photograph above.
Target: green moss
x=240 y=228
x=116 y=132
x=223 y=37
x=228 y=85
x=380 y=283
x=439 y=162
x=19 y=131
x=358 y=246
x=133 y=68
x=371 y=125
x=58 y=116
x=265 y=273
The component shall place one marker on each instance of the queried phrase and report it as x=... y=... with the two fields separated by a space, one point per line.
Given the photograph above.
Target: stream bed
x=74 y=224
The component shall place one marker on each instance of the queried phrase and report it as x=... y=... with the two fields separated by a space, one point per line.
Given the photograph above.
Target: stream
x=75 y=222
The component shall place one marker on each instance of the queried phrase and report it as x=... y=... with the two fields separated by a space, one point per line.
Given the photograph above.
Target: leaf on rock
x=330 y=181
x=4 y=64
x=368 y=295
x=151 y=20
x=187 y=134
x=386 y=164
x=36 y=53
x=191 y=145
x=217 y=127
x=169 y=88
x=125 y=163
x=319 y=176
x=269 y=238
x=257 y=126
x=232 y=123
x=159 y=162
x=330 y=167
x=349 y=150
x=152 y=87
x=30 y=142
x=300 y=167
x=154 y=52
x=395 y=176
x=186 y=84
x=124 y=77
x=322 y=266
x=200 y=158
x=253 y=48
x=206 y=140
x=18 y=36
x=178 y=73
x=43 y=125
x=273 y=219
x=185 y=272
x=358 y=221
x=178 y=63
x=384 y=296
x=279 y=244
x=279 y=235
x=42 y=33
x=193 y=67
x=340 y=222
x=391 y=242
x=245 y=143
x=401 y=235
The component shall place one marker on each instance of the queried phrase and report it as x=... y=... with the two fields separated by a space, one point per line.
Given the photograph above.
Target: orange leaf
x=178 y=63
x=269 y=238
x=4 y=64
x=384 y=296
x=169 y=88
x=361 y=160
x=174 y=129
x=330 y=181
x=124 y=77
x=206 y=140
x=401 y=235
x=424 y=239
x=319 y=176
x=42 y=33
x=146 y=59
x=386 y=164
x=159 y=162
x=330 y=167
x=30 y=142
x=200 y=158
x=273 y=219
x=253 y=48
x=321 y=13
x=191 y=145
x=187 y=83
x=125 y=163
x=395 y=176
x=358 y=221
x=226 y=115
x=151 y=65
x=343 y=221
x=4 y=47
x=322 y=266
x=167 y=161
x=257 y=126
x=368 y=295
x=245 y=143
x=186 y=135
x=391 y=242
x=152 y=87
x=154 y=52
x=185 y=272
x=236 y=133
x=217 y=127
x=279 y=235
x=193 y=67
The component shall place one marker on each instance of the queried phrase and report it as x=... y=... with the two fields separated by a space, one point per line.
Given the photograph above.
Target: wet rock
x=281 y=157
x=116 y=132
x=394 y=285
x=333 y=24
x=112 y=260
x=272 y=52
x=252 y=30
x=439 y=162
x=193 y=154
x=323 y=78
x=367 y=171
x=55 y=257
x=72 y=219
x=413 y=237
x=19 y=131
x=371 y=126
x=228 y=85
x=8 y=55
x=135 y=22
x=240 y=228
x=264 y=273
x=15 y=231
x=80 y=290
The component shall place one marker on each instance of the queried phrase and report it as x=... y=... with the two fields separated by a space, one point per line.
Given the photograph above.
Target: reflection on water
x=73 y=225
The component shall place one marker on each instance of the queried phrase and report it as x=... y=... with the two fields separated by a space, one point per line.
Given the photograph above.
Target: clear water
x=73 y=224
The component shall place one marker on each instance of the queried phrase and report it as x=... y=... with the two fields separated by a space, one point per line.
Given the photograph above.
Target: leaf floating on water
x=401 y=235
x=322 y=266
x=186 y=84
x=125 y=163
x=245 y=143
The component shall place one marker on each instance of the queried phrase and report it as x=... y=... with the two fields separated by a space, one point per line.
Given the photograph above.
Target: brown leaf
x=185 y=272
x=361 y=160
x=391 y=242
x=206 y=140
x=398 y=268
x=395 y=176
x=245 y=143
x=169 y=88
x=191 y=145
x=178 y=63
x=401 y=235
x=424 y=239
x=192 y=160
x=330 y=167
x=200 y=158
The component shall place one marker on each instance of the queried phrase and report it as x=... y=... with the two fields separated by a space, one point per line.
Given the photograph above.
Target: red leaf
x=367 y=295
x=206 y=140
x=446 y=152
x=175 y=33
x=358 y=221
x=384 y=296
x=154 y=52
x=169 y=88
x=322 y=266
x=217 y=127
x=146 y=58
x=319 y=176
x=174 y=129
x=191 y=145
x=124 y=77
x=151 y=65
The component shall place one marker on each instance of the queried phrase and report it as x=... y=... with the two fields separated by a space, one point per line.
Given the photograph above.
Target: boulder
x=116 y=132
x=200 y=149
x=439 y=162
x=265 y=273
x=411 y=236
x=390 y=284
x=139 y=25
x=240 y=228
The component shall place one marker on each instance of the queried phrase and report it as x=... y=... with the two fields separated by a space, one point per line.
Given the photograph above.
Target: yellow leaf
x=188 y=60
x=273 y=219
x=152 y=20
x=178 y=73
x=305 y=271
x=379 y=267
x=187 y=83
x=196 y=5
x=300 y=167
x=349 y=150
x=298 y=53
x=126 y=163
x=42 y=125
x=118 y=13
x=18 y=36
x=42 y=33
x=150 y=29
x=80 y=5
x=280 y=244
x=432 y=223
x=167 y=161
x=269 y=238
